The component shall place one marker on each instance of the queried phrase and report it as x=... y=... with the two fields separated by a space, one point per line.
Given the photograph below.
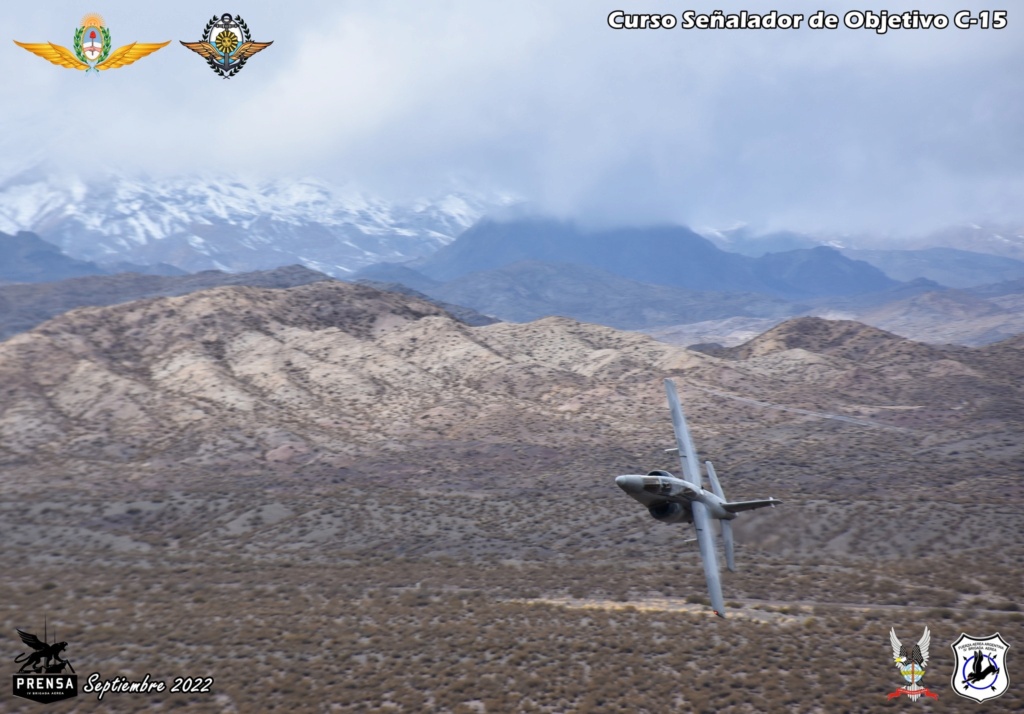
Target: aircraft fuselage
x=662 y=487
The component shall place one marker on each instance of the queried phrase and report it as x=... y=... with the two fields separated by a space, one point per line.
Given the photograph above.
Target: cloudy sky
x=840 y=130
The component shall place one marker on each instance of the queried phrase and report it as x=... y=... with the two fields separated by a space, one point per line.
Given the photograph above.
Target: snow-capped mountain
x=201 y=223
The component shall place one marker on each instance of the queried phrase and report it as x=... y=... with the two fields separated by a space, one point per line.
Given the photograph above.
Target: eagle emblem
x=226 y=44
x=980 y=671
x=911 y=662
x=92 y=49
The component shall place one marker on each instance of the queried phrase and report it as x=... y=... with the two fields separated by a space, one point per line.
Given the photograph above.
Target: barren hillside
x=335 y=469
x=316 y=377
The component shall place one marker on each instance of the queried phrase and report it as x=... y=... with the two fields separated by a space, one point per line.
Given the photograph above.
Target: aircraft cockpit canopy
x=656 y=484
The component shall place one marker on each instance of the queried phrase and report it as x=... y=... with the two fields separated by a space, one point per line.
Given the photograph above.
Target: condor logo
x=44 y=676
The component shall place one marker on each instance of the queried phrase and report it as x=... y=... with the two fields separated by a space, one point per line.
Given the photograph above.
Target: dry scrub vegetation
x=332 y=499
x=319 y=639
x=351 y=600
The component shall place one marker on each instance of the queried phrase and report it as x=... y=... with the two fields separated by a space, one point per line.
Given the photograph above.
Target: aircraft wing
x=706 y=539
x=687 y=454
x=737 y=506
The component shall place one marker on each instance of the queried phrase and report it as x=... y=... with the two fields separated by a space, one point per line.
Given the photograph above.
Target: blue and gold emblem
x=226 y=45
x=92 y=48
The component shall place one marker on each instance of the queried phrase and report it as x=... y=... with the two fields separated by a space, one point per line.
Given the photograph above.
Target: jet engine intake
x=669 y=512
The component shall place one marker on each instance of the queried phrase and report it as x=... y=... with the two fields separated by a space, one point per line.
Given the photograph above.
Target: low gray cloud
x=839 y=130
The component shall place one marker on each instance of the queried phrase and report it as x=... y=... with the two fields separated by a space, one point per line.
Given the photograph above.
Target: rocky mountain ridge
x=27 y=258
x=318 y=379
x=663 y=255
x=231 y=223
x=25 y=305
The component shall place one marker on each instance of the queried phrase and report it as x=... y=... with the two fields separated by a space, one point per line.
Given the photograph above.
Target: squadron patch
x=980 y=670
x=44 y=676
x=911 y=662
x=226 y=44
x=92 y=48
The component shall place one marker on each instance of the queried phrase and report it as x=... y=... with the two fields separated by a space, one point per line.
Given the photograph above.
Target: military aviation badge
x=980 y=670
x=44 y=676
x=92 y=48
x=911 y=662
x=226 y=45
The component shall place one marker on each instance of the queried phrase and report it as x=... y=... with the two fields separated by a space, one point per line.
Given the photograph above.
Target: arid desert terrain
x=331 y=498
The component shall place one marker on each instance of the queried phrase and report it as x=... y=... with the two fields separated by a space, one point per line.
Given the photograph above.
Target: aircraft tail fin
x=727 y=541
x=716 y=486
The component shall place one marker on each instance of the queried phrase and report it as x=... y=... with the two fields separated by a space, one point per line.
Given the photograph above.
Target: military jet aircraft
x=674 y=500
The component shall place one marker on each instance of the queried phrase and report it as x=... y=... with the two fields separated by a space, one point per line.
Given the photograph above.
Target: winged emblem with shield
x=226 y=44
x=92 y=49
x=911 y=662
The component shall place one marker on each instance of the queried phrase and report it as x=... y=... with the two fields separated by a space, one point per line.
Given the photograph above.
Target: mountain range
x=765 y=290
x=974 y=246
x=317 y=374
x=950 y=267
x=330 y=468
x=229 y=223
x=659 y=278
x=531 y=289
x=919 y=310
x=631 y=278
x=237 y=224
x=26 y=258
x=662 y=255
x=25 y=305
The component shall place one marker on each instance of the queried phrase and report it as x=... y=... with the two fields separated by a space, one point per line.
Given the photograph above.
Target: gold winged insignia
x=203 y=48
x=63 y=57
x=60 y=56
x=248 y=49
x=208 y=51
x=123 y=56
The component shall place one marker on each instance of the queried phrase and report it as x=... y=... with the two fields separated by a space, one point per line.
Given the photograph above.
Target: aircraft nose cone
x=630 y=483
